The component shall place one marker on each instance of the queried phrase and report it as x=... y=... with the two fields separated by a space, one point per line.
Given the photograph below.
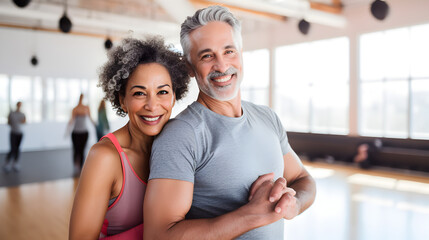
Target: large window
x=256 y=80
x=394 y=83
x=312 y=86
x=49 y=112
x=20 y=90
x=48 y=99
x=4 y=98
x=37 y=100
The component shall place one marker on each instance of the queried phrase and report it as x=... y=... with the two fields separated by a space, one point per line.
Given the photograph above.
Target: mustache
x=229 y=71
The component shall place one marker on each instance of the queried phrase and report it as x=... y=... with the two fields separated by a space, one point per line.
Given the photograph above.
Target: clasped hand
x=275 y=197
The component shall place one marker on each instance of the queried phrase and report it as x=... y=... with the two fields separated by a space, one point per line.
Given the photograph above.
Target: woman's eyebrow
x=138 y=86
x=164 y=85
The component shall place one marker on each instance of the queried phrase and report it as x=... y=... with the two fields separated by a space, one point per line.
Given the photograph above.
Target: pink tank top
x=126 y=211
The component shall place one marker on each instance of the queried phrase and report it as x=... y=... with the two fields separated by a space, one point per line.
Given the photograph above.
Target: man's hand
x=286 y=203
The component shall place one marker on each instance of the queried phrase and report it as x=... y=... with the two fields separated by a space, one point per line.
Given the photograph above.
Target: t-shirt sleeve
x=281 y=131
x=173 y=152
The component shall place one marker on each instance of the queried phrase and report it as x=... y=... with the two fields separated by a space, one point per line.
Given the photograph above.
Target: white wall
x=59 y=55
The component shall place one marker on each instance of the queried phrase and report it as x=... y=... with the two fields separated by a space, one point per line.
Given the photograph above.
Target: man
x=15 y=120
x=204 y=162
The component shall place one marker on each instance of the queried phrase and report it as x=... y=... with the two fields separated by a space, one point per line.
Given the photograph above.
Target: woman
x=142 y=79
x=80 y=132
x=103 y=124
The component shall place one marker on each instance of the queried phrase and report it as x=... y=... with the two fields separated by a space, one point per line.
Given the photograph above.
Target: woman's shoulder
x=104 y=153
x=103 y=148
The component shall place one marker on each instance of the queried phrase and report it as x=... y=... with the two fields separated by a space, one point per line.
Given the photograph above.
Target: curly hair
x=124 y=59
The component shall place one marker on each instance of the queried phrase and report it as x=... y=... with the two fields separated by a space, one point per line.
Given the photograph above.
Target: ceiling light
x=34 y=61
x=379 y=9
x=65 y=24
x=21 y=3
x=108 y=44
x=304 y=26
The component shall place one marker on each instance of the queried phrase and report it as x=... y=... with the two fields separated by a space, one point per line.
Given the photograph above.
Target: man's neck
x=231 y=108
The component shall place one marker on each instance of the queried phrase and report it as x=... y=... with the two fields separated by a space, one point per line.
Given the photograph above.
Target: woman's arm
x=96 y=182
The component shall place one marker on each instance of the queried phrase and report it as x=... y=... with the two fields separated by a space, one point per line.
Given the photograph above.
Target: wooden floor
x=351 y=204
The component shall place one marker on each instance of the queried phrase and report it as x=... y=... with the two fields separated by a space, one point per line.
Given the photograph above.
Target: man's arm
x=167 y=201
x=296 y=191
x=301 y=181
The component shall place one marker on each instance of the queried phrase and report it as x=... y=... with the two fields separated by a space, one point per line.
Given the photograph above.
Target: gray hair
x=204 y=16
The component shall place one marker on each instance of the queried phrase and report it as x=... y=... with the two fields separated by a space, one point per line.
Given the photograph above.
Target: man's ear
x=190 y=69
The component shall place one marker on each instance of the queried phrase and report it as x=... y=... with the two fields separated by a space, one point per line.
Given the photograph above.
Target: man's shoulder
x=191 y=115
x=255 y=108
x=186 y=121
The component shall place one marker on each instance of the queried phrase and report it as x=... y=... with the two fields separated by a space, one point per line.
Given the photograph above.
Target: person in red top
x=142 y=79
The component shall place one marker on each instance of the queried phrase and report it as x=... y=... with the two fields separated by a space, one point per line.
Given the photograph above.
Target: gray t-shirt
x=15 y=121
x=222 y=156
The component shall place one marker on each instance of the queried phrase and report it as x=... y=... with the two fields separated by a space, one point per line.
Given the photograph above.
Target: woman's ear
x=173 y=100
x=122 y=103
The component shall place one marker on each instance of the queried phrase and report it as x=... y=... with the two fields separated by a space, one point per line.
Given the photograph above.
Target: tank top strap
x=115 y=142
x=126 y=211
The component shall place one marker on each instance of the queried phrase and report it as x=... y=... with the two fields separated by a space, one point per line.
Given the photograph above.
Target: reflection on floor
x=363 y=205
x=38 y=166
x=351 y=204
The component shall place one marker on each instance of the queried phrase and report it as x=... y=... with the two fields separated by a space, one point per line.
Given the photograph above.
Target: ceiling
x=119 y=17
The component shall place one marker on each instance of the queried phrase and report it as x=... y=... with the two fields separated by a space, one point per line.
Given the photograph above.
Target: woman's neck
x=138 y=141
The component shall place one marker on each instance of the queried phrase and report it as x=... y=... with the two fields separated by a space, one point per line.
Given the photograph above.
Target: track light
x=379 y=9
x=65 y=24
x=21 y=3
x=304 y=26
x=108 y=44
x=34 y=61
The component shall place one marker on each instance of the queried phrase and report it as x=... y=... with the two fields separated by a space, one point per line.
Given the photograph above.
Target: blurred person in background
x=79 y=134
x=103 y=123
x=15 y=121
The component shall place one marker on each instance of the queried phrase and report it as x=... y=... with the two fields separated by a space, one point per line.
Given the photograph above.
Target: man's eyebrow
x=230 y=46
x=204 y=51
x=210 y=50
